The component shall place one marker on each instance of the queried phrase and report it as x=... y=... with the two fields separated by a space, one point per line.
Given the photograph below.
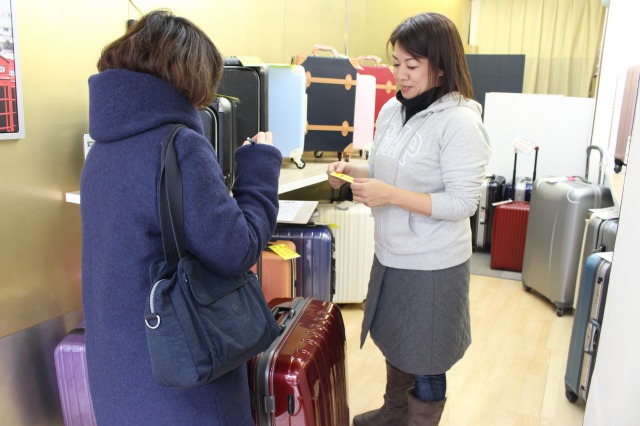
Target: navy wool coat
x=129 y=116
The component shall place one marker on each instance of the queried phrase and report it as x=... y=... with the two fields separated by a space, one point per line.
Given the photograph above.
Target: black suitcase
x=219 y=125
x=482 y=220
x=248 y=84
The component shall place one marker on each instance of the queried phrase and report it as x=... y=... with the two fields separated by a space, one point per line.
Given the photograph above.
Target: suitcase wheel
x=300 y=163
x=318 y=154
x=526 y=288
x=559 y=312
x=571 y=396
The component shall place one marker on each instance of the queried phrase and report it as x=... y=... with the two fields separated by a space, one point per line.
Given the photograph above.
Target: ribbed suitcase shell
x=587 y=322
x=302 y=378
x=315 y=266
x=250 y=85
x=331 y=97
x=277 y=275
x=554 y=236
x=508 y=235
x=482 y=219
x=354 y=249
x=287 y=109
x=73 y=386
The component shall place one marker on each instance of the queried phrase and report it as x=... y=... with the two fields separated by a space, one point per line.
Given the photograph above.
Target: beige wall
x=40 y=235
x=59 y=45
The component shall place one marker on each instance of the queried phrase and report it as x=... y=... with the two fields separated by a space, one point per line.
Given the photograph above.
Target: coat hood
x=125 y=103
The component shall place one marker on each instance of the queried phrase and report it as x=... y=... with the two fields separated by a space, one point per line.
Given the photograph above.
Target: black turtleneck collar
x=419 y=103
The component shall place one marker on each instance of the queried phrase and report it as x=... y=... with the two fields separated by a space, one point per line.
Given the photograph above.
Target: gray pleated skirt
x=420 y=320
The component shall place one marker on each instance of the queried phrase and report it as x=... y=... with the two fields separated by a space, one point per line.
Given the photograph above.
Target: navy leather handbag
x=199 y=325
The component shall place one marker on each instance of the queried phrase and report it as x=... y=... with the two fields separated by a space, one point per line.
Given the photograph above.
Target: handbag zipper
x=151 y=308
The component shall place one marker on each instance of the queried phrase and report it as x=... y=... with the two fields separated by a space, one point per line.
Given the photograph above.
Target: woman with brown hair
x=156 y=75
x=422 y=183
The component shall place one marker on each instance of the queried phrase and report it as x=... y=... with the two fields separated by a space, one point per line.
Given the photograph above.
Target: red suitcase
x=385 y=81
x=627 y=114
x=302 y=378
x=73 y=385
x=508 y=236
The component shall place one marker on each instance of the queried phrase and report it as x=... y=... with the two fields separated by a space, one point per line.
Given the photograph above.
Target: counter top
x=291 y=177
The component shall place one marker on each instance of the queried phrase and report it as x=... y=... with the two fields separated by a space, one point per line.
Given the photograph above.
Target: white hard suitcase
x=352 y=228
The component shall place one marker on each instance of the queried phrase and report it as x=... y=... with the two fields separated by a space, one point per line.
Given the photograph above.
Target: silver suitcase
x=555 y=230
x=600 y=235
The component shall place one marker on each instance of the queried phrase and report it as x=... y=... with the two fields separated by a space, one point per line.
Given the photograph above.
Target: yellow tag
x=283 y=251
x=342 y=176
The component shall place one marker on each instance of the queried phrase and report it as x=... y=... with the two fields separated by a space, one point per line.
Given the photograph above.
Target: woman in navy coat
x=158 y=74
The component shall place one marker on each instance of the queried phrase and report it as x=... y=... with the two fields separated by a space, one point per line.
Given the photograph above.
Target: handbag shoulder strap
x=170 y=200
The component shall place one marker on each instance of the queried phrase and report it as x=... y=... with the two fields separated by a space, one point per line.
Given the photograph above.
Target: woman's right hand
x=339 y=167
x=260 y=137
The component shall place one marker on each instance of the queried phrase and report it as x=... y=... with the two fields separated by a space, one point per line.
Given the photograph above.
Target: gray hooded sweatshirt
x=442 y=151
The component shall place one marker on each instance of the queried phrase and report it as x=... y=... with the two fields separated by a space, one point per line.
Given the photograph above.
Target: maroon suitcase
x=73 y=385
x=302 y=378
x=627 y=114
x=508 y=235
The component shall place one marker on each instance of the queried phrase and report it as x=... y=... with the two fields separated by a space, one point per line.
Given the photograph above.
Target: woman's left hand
x=372 y=192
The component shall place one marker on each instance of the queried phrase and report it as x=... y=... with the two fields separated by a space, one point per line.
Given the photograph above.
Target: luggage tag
x=523 y=143
x=342 y=176
x=283 y=251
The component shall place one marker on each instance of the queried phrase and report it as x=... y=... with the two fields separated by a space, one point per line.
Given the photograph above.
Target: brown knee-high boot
x=423 y=413
x=394 y=411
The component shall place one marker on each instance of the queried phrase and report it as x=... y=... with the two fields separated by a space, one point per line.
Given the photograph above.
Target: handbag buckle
x=152 y=327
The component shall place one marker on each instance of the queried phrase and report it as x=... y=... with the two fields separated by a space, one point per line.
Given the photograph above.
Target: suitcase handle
x=324 y=48
x=515 y=164
x=278 y=310
x=373 y=58
x=590 y=148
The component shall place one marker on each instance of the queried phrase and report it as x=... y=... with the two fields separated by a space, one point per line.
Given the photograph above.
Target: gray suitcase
x=555 y=230
x=600 y=236
x=587 y=323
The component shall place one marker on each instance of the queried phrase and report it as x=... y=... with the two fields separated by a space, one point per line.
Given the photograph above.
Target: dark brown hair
x=171 y=48
x=435 y=37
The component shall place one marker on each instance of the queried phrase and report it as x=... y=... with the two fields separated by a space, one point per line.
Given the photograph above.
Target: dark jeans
x=430 y=388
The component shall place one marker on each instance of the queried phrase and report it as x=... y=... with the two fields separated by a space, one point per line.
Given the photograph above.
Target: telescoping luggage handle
x=515 y=164
x=590 y=148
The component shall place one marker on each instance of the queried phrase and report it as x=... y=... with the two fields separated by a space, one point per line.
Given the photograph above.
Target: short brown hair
x=171 y=48
x=435 y=37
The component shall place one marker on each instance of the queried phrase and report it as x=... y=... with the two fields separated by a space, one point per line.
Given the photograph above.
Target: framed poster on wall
x=11 y=108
